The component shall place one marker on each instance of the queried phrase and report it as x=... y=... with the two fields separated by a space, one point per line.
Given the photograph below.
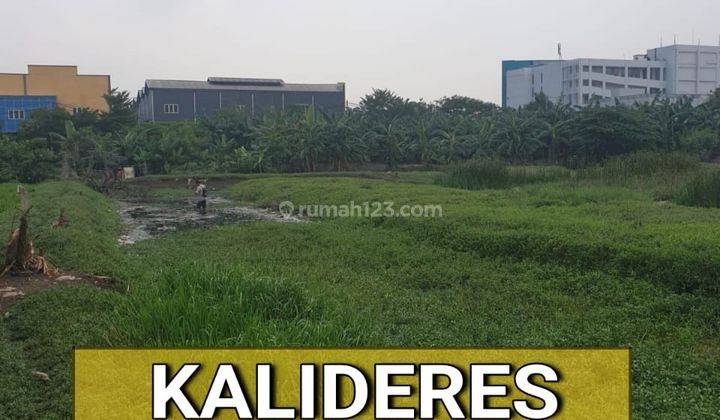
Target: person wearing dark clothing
x=201 y=191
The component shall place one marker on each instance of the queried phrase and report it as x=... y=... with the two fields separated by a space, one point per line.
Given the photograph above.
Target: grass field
x=561 y=263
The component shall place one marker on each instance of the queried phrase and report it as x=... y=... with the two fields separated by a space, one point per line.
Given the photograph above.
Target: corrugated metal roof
x=245 y=81
x=203 y=85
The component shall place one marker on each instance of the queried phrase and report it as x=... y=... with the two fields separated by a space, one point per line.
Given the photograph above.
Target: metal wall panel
x=184 y=100
x=207 y=102
x=267 y=102
x=25 y=103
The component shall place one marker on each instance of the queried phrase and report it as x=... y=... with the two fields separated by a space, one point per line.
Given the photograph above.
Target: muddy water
x=148 y=219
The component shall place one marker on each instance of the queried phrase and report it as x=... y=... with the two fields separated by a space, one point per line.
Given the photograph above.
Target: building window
x=597 y=69
x=171 y=108
x=77 y=109
x=586 y=98
x=655 y=91
x=586 y=82
x=586 y=69
x=597 y=83
x=655 y=73
x=615 y=71
x=16 y=114
x=642 y=89
x=637 y=72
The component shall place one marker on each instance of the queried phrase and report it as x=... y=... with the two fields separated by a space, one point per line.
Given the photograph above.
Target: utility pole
x=562 y=73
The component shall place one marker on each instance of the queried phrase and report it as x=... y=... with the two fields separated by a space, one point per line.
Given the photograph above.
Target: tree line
x=385 y=130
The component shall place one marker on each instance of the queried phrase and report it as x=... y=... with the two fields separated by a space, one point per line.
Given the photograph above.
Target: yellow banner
x=352 y=383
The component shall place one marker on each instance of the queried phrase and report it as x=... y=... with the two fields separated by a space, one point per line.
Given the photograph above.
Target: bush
x=490 y=173
x=533 y=174
x=611 y=131
x=477 y=174
x=43 y=122
x=703 y=190
x=643 y=164
x=703 y=142
x=26 y=160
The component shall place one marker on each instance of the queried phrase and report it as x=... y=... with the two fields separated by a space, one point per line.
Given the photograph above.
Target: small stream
x=148 y=219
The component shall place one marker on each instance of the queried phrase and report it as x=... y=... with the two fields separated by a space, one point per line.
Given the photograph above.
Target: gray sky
x=420 y=48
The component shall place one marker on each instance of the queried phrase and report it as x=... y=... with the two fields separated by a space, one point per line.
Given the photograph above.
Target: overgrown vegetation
x=385 y=131
x=702 y=190
x=477 y=174
x=674 y=176
x=621 y=169
x=562 y=263
x=38 y=334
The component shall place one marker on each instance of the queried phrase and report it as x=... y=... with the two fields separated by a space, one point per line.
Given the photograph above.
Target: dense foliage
x=385 y=131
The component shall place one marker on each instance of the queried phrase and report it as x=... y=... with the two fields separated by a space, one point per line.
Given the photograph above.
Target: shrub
x=489 y=173
x=533 y=174
x=42 y=122
x=610 y=131
x=26 y=160
x=703 y=142
x=642 y=164
x=477 y=174
x=703 y=190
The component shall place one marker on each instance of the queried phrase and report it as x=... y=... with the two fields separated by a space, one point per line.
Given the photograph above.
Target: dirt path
x=14 y=288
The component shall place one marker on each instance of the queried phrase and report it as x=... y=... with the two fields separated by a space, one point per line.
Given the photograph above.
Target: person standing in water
x=201 y=191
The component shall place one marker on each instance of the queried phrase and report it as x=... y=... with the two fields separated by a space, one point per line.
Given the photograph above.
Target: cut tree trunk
x=19 y=253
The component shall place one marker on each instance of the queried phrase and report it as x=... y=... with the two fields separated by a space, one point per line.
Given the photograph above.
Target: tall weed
x=480 y=174
x=702 y=190
x=620 y=169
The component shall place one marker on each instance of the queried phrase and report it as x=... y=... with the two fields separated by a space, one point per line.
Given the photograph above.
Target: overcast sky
x=419 y=49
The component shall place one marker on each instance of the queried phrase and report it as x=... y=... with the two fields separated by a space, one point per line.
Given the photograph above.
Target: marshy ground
x=146 y=219
x=551 y=263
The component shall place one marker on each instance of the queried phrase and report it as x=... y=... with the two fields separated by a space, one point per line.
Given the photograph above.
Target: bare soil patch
x=15 y=287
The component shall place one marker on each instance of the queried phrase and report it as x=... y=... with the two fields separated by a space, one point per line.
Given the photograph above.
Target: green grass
x=377 y=285
x=480 y=174
x=415 y=177
x=619 y=169
x=40 y=331
x=702 y=190
x=87 y=243
x=561 y=263
x=214 y=304
x=606 y=228
x=39 y=334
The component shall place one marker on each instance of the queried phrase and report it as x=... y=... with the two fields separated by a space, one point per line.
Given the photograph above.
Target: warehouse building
x=673 y=71
x=180 y=100
x=48 y=87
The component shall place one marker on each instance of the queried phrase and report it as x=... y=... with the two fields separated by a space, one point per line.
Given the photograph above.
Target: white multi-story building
x=673 y=71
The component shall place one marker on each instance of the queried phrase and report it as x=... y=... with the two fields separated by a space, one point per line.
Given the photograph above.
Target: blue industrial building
x=182 y=100
x=16 y=109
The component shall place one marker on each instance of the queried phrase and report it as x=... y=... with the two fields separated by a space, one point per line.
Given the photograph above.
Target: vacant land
x=561 y=263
